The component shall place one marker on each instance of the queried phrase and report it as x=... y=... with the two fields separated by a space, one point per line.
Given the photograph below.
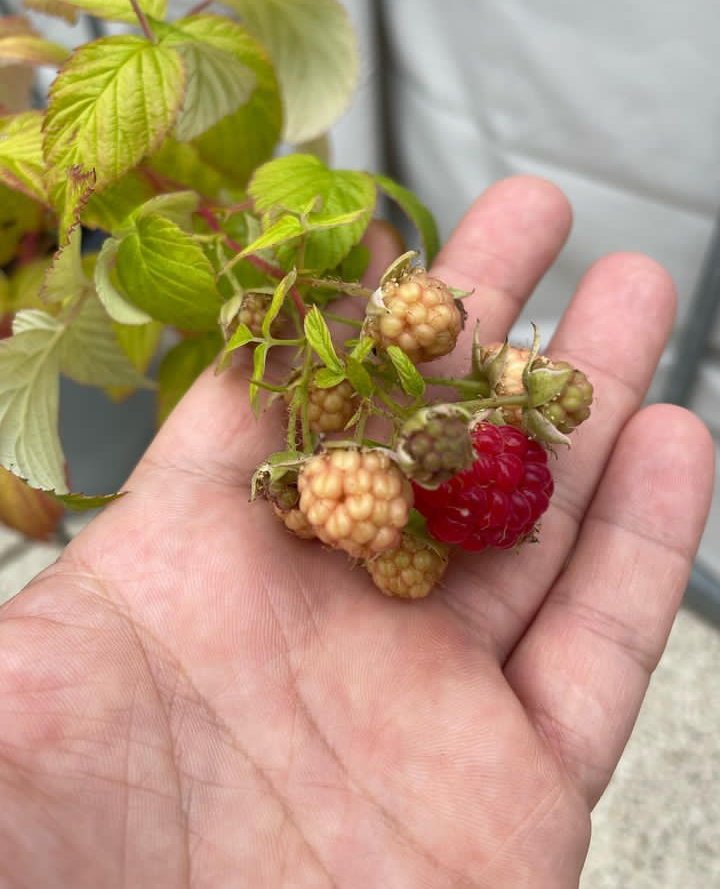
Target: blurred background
x=619 y=105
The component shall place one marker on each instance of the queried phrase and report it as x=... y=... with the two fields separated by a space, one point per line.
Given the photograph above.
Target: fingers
x=615 y=329
x=583 y=667
x=501 y=249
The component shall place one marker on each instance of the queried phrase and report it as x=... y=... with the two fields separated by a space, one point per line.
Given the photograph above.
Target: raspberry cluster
x=470 y=474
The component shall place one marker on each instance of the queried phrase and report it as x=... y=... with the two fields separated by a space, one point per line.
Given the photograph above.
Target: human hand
x=192 y=697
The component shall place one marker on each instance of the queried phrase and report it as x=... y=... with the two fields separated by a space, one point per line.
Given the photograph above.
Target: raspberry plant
x=212 y=243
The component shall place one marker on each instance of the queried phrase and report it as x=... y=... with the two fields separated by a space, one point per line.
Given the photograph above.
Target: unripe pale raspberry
x=421 y=316
x=252 y=312
x=295 y=521
x=355 y=500
x=330 y=410
x=410 y=570
x=567 y=410
x=435 y=444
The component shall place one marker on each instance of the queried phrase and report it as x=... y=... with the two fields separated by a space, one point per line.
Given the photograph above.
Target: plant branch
x=144 y=23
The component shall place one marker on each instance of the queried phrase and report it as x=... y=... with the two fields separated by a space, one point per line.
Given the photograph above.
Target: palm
x=211 y=702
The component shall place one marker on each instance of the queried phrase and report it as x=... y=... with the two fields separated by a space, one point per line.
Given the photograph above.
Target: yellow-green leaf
x=313 y=48
x=112 y=103
x=32 y=50
x=19 y=215
x=116 y=10
x=21 y=158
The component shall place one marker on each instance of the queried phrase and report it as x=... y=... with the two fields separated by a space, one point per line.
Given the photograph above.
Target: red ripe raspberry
x=498 y=500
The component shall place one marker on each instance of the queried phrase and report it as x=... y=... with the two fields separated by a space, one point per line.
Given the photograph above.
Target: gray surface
x=658 y=826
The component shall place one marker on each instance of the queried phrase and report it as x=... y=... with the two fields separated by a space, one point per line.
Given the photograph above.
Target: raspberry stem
x=482 y=404
x=469 y=387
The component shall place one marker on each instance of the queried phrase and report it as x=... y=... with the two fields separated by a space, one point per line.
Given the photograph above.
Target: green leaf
x=325 y=378
x=283 y=230
x=313 y=48
x=241 y=337
x=182 y=163
x=84 y=502
x=65 y=278
x=139 y=342
x=32 y=50
x=363 y=348
x=180 y=367
x=19 y=215
x=318 y=335
x=278 y=301
x=164 y=272
x=259 y=360
x=21 y=159
x=111 y=104
x=29 y=387
x=109 y=208
x=118 y=10
x=347 y=201
x=359 y=378
x=410 y=380
x=416 y=211
x=218 y=83
x=118 y=307
x=178 y=207
x=355 y=264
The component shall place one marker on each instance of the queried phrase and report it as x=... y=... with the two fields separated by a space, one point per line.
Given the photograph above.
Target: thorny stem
x=142 y=20
x=304 y=383
x=360 y=425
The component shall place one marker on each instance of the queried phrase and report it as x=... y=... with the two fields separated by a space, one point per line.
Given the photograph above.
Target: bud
x=435 y=445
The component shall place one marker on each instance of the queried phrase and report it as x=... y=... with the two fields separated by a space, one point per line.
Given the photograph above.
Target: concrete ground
x=658 y=825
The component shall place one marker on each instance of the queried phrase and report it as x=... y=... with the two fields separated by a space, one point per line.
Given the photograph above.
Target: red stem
x=272 y=270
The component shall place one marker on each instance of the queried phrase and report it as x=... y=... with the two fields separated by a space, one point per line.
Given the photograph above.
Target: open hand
x=192 y=697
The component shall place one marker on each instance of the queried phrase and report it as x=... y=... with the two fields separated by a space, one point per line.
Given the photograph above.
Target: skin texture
x=192 y=697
